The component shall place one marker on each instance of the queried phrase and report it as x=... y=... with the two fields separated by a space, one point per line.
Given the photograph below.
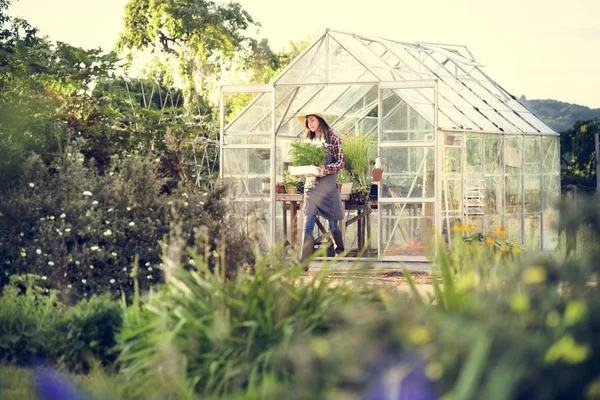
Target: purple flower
x=50 y=385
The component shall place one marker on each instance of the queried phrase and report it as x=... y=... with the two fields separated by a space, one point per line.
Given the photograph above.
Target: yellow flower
x=517 y=250
x=519 y=302
x=420 y=334
x=489 y=240
x=434 y=371
x=468 y=228
x=458 y=227
x=534 y=275
x=504 y=248
x=500 y=232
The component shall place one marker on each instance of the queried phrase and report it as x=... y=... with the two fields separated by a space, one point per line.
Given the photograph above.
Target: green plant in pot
x=289 y=183
x=359 y=154
x=345 y=181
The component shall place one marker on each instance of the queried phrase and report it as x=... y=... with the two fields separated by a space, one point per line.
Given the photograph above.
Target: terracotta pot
x=377 y=174
x=280 y=188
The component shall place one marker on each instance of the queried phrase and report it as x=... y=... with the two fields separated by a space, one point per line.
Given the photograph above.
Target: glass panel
x=256 y=221
x=344 y=67
x=246 y=172
x=494 y=190
x=452 y=153
x=532 y=194
x=551 y=154
x=532 y=154
x=358 y=49
x=493 y=154
x=255 y=118
x=512 y=226
x=492 y=223
x=287 y=123
x=409 y=172
x=407 y=229
x=311 y=67
x=402 y=123
x=474 y=156
x=513 y=189
x=532 y=231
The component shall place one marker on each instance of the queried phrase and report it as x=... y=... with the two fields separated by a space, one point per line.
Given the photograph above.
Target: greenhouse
x=456 y=149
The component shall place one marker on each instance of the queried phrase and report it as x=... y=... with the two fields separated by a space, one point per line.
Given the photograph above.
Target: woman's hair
x=323 y=127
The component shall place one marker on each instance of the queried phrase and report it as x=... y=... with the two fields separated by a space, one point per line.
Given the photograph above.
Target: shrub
x=28 y=313
x=212 y=337
x=83 y=230
x=86 y=333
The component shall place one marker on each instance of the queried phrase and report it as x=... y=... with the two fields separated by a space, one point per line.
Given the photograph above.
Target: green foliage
x=28 y=313
x=304 y=153
x=87 y=334
x=578 y=158
x=200 y=35
x=83 y=230
x=37 y=327
x=289 y=180
x=214 y=337
x=559 y=115
x=359 y=154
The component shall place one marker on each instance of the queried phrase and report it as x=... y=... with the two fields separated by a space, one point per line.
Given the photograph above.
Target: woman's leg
x=336 y=232
x=309 y=224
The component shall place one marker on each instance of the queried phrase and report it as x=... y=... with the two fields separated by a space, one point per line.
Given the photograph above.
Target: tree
x=199 y=35
x=578 y=160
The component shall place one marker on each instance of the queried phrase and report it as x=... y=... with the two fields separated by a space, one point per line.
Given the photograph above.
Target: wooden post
x=570 y=229
x=597 y=151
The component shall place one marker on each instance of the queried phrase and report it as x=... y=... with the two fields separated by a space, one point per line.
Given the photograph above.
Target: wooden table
x=295 y=203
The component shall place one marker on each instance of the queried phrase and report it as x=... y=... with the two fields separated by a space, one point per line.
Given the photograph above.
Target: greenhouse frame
x=456 y=148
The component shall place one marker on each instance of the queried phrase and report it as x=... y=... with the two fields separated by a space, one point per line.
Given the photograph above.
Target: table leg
x=293 y=223
x=369 y=240
x=342 y=223
x=360 y=230
x=285 y=231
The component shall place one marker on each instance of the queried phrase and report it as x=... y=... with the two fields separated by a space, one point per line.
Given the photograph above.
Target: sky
x=543 y=49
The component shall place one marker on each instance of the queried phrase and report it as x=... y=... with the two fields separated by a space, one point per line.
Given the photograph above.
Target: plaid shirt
x=335 y=152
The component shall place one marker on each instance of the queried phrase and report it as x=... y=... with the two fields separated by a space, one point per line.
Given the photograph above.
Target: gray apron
x=324 y=199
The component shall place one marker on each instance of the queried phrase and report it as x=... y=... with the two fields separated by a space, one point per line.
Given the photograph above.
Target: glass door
x=247 y=156
x=408 y=217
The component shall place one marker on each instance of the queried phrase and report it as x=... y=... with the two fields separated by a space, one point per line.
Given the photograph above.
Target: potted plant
x=306 y=156
x=359 y=154
x=289 y=182
x=345 y=182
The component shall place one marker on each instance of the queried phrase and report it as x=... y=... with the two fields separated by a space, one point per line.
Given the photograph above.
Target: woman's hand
x=321 y=171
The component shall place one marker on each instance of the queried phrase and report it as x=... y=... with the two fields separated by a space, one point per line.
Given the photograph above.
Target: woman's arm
x=337 y=155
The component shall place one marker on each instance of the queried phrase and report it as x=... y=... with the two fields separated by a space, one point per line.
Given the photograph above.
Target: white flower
x=51 y=263
x=132 y=223
x=87 y=193
x=63 y=215
x=52 y=217
x=44 y=278
x=112 y=281
x=83 y=281
x=201 y=203
x=68 y=230
x=95 y=202
x=169 y=202
x=184 y=195
x=69 y=286
x=147 y=264
x=31 y=184
x=205 y=194
x=38 y=251
x=186 y=204
x=107 y=232
x=23 y=254
x=124 y=268
x=128 y=208
x=149 y=268
x=110 y=210
x=42 y=219
x=107 y=222
x=77 y=263
x=111 y=173
x=192 y=262
x=94 y=248
x=91 y=267
x=113 y=254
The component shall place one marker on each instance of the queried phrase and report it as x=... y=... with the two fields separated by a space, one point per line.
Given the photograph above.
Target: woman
x=323 y=200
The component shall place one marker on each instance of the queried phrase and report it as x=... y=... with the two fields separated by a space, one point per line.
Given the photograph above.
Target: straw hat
x=302 y=118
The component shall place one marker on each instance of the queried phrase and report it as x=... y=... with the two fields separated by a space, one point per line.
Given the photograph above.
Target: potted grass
x=345 y=182
x=359 y=154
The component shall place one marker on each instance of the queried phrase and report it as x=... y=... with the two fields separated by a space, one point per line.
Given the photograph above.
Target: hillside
x=560 y=115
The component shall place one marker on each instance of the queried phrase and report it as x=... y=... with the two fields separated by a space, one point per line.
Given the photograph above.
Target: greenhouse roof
x=338 y=75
